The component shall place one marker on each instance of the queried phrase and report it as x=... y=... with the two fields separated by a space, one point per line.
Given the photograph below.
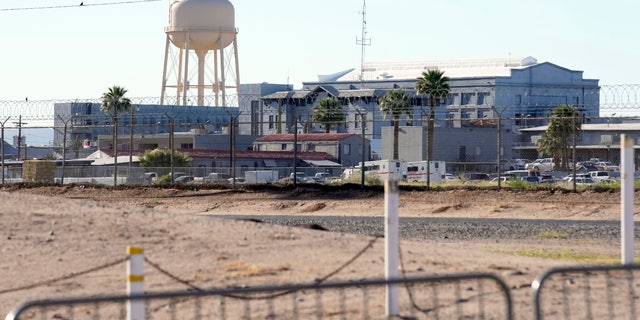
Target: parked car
x=184 y=179
x=300 y=177
x=150 y=177
x=320 y=177
x=580 y=179
x=215 y=177
x=475 y=176
x=503 y=179
x=520 y=164
x=598 y=176
x=547 y=178
x=449 y=177
x=542 y=164
x=586 y=166
x=607 y=166
x=238 y=180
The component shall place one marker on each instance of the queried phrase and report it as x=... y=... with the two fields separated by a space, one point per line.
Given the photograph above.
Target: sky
x=79 y=52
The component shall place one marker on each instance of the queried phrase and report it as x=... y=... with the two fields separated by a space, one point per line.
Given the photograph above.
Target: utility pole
x=64 y=147
x=171 y=144
x=2 y=147
x=295 y=151
x=364 y=147
x=232 y=148
x=499 y=142
x=19 y=124
x=573 y=129
x=131 y=123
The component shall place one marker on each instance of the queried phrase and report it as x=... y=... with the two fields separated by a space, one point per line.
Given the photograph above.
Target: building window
x=465 y=98
x=283 y=146
x=311 y=147
x=186 y=146
x=450 y=99
x=271 y=122
x=346 y=149
x=481 y=97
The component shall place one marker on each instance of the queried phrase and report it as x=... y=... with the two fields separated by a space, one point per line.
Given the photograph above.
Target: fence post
x=391 y=244
x=627 y=169
x=135 y=283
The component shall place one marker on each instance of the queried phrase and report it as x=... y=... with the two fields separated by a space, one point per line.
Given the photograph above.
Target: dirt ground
x=52 y=235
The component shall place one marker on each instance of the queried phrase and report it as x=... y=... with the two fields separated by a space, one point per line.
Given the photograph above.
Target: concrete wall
x=473 y=144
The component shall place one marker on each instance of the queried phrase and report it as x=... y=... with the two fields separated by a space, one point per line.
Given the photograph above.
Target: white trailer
x=260 y=176
x=417 y=171
x=386 y=169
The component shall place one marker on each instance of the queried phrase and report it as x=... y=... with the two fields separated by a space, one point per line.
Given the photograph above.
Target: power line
x=82 y=4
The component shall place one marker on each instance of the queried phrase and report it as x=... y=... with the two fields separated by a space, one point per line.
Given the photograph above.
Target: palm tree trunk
x=430 y=130
x=115 y=151
x=396 y=133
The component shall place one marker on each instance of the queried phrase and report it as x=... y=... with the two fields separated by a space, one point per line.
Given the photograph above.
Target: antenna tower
x=363 y=41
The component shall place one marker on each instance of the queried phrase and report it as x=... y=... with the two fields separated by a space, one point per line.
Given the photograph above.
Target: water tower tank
x=209 y=23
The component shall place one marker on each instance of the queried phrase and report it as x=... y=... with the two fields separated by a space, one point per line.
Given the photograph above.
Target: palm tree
x=435 y=85
x=114 y=103
x=162 y=158
x=557 y=140
x=328 y=112
x=394 y=104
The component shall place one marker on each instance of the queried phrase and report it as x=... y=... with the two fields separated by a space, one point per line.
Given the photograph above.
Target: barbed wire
x=625 y=97
x=81 y=4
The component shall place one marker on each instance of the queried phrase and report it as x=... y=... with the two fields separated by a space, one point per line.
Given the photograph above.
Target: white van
x=522 y=174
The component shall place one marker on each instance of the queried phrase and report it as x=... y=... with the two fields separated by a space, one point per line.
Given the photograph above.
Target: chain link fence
x=482 y=138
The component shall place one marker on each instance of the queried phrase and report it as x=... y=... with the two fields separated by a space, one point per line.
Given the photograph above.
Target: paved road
x=455 y=229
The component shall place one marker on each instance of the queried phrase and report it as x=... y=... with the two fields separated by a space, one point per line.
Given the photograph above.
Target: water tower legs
x=201 y=55
x=175 y=73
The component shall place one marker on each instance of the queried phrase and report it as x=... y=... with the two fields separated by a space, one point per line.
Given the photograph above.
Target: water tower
x=201 y=31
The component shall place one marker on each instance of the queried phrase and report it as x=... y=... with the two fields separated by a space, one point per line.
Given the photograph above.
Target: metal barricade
x=464 y=296
x=587 y=292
